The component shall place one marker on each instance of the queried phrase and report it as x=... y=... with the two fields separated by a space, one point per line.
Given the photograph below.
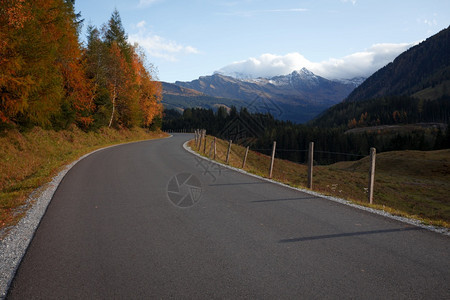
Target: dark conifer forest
x=259 y=131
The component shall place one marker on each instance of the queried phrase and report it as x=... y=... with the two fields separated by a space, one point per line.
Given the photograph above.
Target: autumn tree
x=78 y=90
x=150 y=91
x=48 y=79
x=15 y=84
x=42 y=76
x=95 y=63
x=119 y=86
x=125 y=91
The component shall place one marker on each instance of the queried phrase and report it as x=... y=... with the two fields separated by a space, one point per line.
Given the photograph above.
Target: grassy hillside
x=434 y=92
x=29 y=160
x=408 y=183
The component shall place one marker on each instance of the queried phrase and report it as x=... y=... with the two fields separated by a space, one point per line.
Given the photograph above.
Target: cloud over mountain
x=359 y=64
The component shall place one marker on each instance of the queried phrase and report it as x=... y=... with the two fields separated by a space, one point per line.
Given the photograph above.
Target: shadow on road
x=340 y=235
x=285 y=199
x=238 y=183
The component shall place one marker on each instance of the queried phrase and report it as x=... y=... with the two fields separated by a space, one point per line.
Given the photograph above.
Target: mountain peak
x=298 y=96
x=307 y=72
x=302 y=73
x=235 y=75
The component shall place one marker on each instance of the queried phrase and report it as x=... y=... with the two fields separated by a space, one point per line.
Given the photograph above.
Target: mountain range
x=298 y=97
x=415 y=87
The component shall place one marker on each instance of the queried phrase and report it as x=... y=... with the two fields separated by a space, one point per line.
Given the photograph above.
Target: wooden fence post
x=204 y=145
x=228 y=152
x=310 y=165
x=273 y=158
x=200 y=141
x=215 y=149
x=245 y=157
x=210 y=149
x=373 y=154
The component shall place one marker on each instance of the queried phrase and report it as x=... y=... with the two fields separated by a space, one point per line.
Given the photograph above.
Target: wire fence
x=415 y=182
x=301 y=155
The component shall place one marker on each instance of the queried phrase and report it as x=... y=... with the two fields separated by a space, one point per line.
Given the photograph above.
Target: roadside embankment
x=30 y=159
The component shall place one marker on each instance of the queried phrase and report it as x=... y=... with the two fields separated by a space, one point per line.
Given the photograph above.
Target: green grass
x=29 y=160
x=435 y=92
x=413 y=184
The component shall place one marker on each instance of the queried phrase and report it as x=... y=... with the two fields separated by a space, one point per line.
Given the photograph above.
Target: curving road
x=112 y=231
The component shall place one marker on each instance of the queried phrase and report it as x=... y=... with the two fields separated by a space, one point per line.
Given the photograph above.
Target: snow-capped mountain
x=298 y=96
x=355 y=81
x=296 y=76
x=236 y=75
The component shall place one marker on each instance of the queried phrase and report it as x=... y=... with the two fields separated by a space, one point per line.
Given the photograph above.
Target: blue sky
x=336 y=39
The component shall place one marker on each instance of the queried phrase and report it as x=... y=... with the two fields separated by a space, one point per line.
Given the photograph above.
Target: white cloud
x=286 y=10
x=428 y=22
x=191 y=50
x=145 y=3
x=251 y=13
x=268 y=65
x=232 y=3
x=158 y=46
x=351 y=1
x=141 y=24
x=359 y=64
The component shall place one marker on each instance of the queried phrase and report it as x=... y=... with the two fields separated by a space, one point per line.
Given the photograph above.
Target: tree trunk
x=113 y=108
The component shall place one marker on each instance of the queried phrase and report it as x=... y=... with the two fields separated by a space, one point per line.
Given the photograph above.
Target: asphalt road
x=112 y=231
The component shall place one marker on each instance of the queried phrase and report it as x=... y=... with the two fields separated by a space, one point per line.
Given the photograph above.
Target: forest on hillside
x=386 y=110
x=48 y=78
x=422 y=66
x=259 y=131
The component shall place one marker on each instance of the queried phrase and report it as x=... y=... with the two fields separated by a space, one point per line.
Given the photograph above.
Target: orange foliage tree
x=14 y=83
x=78 y=89
x=42 y=79
x=48 y=79
x=119 y=86
x=150 y=91
x=118 y=71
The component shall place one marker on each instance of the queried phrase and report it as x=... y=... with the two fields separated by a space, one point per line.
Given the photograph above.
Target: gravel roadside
x=15 y=242
x=14 y=245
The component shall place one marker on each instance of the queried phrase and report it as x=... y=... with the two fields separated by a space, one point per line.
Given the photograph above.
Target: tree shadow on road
x=347 y=234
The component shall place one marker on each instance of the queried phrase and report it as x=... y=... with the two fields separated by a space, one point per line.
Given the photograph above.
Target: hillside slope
x=423 y=66
x=414 y=88
x=180 y=98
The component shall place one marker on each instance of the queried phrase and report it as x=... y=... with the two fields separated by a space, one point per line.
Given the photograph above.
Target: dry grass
x=413 y=184
x=29 y=160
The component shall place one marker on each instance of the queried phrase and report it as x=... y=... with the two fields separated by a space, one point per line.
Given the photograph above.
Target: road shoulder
x=15 y=244
x=409 y=221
